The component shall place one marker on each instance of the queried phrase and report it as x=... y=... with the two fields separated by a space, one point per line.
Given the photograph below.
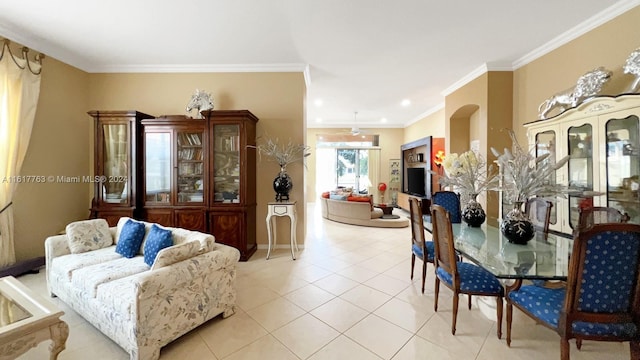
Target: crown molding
x=425 y=114
x=486 y=67
x=593 y=22
x=200 y=68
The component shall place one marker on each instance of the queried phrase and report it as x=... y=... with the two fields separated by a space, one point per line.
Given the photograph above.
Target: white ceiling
x=359 y=55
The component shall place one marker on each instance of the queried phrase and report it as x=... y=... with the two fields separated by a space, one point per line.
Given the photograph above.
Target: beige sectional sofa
x=142 y=307
x=358 y=213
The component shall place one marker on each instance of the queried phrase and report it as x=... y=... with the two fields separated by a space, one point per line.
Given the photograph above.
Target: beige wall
x=430 y=125
x=277 y=99
x=59 y=146
x=62 y=139
x=608 y=45
x=481 y=110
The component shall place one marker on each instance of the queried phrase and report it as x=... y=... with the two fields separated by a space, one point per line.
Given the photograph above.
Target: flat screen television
x=415 y=181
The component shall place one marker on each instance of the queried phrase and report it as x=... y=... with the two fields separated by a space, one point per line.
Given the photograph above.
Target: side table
x=278 y=209
x=27 y=319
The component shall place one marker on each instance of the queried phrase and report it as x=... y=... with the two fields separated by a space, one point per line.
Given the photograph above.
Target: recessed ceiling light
x=383 y=120
x=318 y=102
x=406 y=102
x=318 y=120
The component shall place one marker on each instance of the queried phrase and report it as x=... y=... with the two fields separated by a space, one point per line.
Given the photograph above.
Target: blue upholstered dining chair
x=420 y=248
x=601 y=300
x=460 y=277
x=451 y=202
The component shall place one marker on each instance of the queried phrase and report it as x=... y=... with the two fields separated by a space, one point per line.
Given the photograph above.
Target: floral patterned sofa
x=141 y=307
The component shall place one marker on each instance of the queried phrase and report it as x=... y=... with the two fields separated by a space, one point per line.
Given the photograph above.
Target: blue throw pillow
x=130 y=238
x=157 y=240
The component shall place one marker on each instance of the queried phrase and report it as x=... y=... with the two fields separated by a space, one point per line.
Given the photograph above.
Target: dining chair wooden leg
x=424 y=274
x=499 y=315
x=564 y=349
x=437 y=290
x=455 y=313
x=469 y=297
x=413 y=264
x=509 y=318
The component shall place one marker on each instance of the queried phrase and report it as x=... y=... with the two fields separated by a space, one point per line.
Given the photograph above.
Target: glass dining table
x=539 y=259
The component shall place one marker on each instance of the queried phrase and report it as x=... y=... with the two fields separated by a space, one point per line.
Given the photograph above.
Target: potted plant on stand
x=283 y=154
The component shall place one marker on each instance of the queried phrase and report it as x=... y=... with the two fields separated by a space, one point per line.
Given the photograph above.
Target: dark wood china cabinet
x=197 y=174
x=117 y=155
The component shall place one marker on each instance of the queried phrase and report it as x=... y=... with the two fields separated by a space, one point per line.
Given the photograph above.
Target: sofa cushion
x=325 y=195
x=157 y=240
x=130 y=239
x=176 y=253
x=337 y=197
x=88 y=278
x=88 y=235
x=63 y=266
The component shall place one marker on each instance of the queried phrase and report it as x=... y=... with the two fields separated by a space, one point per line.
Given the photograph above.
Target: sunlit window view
x=348 y=164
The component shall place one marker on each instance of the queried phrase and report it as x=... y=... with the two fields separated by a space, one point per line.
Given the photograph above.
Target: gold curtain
x=19 y=91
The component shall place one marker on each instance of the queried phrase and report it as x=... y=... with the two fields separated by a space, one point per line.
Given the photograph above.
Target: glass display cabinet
x=116 y=156
x=622 y=164
x=226 y=163
x=545 y=143
x=601 y=136
x=175 y=172
x=232 y=205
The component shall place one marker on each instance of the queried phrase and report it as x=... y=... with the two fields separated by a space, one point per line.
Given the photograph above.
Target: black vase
x=516 y=227
x=282 y=185
x=472 y=213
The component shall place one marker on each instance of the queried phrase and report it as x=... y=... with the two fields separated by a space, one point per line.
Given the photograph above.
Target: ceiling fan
x=355 y=130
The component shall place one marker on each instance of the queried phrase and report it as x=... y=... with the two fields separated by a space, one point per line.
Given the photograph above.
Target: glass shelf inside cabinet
x=546 y=144
x=116 y=170
x=190 y=167
x=158 y=167
x=623 y=166
x=226 y=163
x=580 y=167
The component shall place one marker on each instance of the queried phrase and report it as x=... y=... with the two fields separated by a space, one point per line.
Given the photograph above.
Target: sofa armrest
x=55 y=246
x=180 y=274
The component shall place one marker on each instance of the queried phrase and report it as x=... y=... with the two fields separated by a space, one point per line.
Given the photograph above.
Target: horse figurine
x=632 y=66
x=588 y=85
x=200 y=101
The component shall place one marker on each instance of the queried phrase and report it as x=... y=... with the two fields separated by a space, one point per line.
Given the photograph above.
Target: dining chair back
x=599 y=215
x=538 y=210
x=451 y=202
x=420 y=248
x=601 y=300
x=460 y=277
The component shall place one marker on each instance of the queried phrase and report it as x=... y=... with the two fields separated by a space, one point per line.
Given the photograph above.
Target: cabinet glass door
x=623 y=166
x=226 y=163
x=116 y=158
x=157 y=167
x=190 y=167
x=546 y=144
x=580 y=168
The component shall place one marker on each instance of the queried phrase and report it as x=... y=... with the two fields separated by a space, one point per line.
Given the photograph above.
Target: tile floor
x=348 y=296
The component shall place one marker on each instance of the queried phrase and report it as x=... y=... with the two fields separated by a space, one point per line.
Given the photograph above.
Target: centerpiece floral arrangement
x=525 y=175
x=468 y=174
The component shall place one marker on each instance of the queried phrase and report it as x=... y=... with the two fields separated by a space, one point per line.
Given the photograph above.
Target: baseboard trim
x=23 y=267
